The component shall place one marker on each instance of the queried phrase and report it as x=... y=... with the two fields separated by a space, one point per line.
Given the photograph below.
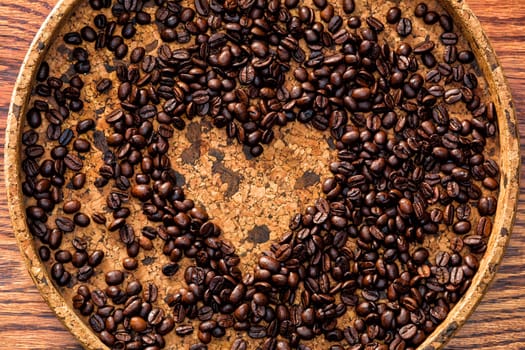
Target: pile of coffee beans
x=405 y=169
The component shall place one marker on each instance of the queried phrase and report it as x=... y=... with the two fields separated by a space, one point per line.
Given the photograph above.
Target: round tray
x=508 y=140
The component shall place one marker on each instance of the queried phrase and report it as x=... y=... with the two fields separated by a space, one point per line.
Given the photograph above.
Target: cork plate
x=245 y=197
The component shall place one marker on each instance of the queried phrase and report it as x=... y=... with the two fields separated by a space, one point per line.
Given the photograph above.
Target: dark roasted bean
x=465 y=56
x=393 y=15
x=184 y=330
x=114 y=277
x=421 y=9
x=431 y=17
x=404 y=27
x=73 y=38
x=348 y=6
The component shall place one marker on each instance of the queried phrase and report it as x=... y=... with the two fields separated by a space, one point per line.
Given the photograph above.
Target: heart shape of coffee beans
x=409 y=169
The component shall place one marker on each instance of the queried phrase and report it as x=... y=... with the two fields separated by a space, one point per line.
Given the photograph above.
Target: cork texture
x=252 y=200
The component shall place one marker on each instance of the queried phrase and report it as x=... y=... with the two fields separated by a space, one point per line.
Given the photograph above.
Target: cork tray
x=252 y=200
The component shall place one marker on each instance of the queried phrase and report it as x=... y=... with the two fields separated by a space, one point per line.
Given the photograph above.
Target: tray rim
x=507 y=199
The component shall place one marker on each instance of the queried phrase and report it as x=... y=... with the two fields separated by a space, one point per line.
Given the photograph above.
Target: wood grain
x=498 y=323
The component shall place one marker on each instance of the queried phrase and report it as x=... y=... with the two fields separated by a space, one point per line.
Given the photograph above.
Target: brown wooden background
x=26 y=322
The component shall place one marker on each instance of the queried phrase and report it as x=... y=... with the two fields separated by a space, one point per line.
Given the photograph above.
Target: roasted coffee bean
x=88 y=34
x=71 y=206
x=408 y=331
x=449 y=38
x=79 y=258
x=44 y=253
x=104 y=84
x=81 y=145
x=429 y=60
x=375 y=24
x=81 y=219
x=73 y=38
x=421 y=9
x=487 y=206
x=63 y=256
x=65 y=224
x=473 y=240
x=239 y=344
x=404 y=27
x=170 y=269
x=348 y=6
x=114 y=277
x=431 y=17
x=354 y=22
x=484 y=226
x=95 y=258
x=393 y=15
x=445 y=21
x=184 y=330
x=423 y=47
x=462 y=227
x=34 y=118
x=202 y=7
x=138 y=324
x=43 y=71
x=85 y=125
x=257 y=332
x=465 y=56
x=442 y=258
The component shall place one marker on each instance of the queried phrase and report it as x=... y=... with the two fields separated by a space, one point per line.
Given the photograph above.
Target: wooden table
x=26 y=322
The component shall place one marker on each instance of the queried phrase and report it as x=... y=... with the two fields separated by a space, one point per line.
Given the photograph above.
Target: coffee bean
x=442 y=258
x=269 y=263
x=375 y=24
x=449 y=38
x=33 y=117
x=85 y=125
x=44 y=253
x=73 y=38
x=487 y=206
x=423 y=47
x=138 y=324
x=348 y=6
x=170 y=269
x=421 y=9
x=393 y=15
x=100 y=21
x=184 y=330
x=71 y=206
x=431 y=17
x=456 y=275
x=43 y=71
x=97 y=323
x=239 y=344
x=484 y=226
x=473 y=240
x=88 y=34
x=65 y=224
x=354 y=22
x=95 y=258
x=445 y=21
x=429 y=61
x=114 y=277
x=202 y=7
x=465 y=56
x=404 y=27
x=103 y=85
x=81 y=145
x=462 y=227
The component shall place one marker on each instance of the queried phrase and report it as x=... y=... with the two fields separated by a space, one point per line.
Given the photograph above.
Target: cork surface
x=252 y=200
